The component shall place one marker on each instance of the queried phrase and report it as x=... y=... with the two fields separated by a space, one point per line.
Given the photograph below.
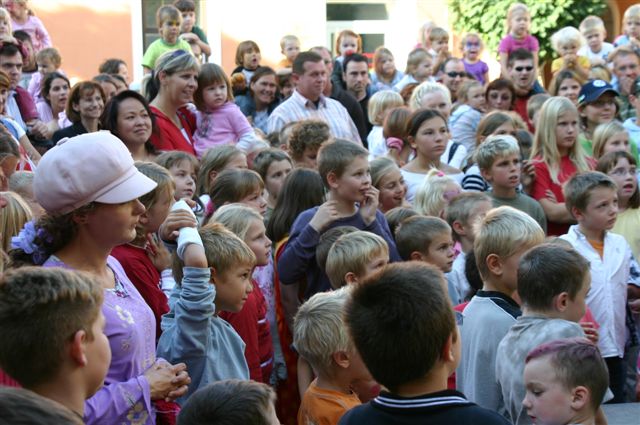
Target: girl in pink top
x=24 y=19
x=219 y=120
x=518 y=35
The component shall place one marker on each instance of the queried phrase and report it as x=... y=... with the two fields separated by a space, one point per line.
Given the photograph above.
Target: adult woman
x=54 y=95
x=89 y=189
x=261 y=99
x=84 y=107
x=170 y=88
x=128 y=117
x=500 y=95
x=566 y=83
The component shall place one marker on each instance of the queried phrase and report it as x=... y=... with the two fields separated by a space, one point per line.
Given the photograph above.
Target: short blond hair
x=13 y=217
x=493 y=148
x=604 y=132
x=415 y=234
x=319 y=329
x=237 y=218
x=351 y=253
x=430 y=196
x=425 y=88
x=460 y=209
x=503 y=232
x=380 y=102
x=566 y=35
x=592 y=23
x=632 y=12
x=288 y=37
x=438 y=33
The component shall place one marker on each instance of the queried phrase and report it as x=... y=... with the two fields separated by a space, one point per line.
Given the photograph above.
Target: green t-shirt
x=587 y=145
x=158 y=47
x=200 y=33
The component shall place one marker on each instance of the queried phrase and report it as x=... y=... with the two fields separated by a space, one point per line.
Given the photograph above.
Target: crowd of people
x=217 y=248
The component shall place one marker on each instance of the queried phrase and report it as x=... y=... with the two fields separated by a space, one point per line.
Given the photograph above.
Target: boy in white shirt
x=593 y=30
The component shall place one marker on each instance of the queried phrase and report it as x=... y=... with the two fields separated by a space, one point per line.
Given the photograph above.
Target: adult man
x=626 y=68
x=356 y=78
x=452 y=74
x=522 y=72
x=20 y=105
x=308 y=102
x=336 y=92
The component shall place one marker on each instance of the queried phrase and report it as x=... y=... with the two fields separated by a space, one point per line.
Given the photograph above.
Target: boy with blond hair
x=592 y=199
x=499 y=160
x=52 y=328
x=505 y=234
x=596 y=50
x=405 y=330
x=168 y=20
x=289 y=47
x=354 y=256
x=553 y=282
x=461 y=214
x=321 y=338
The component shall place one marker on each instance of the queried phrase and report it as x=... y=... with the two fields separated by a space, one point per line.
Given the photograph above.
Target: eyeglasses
x=523 y=68
x=454 y=74
x=602 y=103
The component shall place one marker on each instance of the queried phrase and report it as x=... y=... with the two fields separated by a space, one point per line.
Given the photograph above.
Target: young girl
x=238 y=185
x=428 y=136
x=465 y=118
x=273 y=165
x=518 y=36
x=556 y=156
x=379 y=105
x=24 y=19
x=384 y=74
x=13 y=216
x=145 y=259
x=215 y=161
x=630 y=27
x=247 y=60
x=394 y=132
x=472 y=46
x=6 y=31
x=566 y=42
x=621 y=167
x=252 y=323
x=418 y=69
x=610 y=137
x=219 y=120
x=387 y=178
x=596 y=105
x=566 y=83
x=435 y=193
x=348 y=42
x=9 y=158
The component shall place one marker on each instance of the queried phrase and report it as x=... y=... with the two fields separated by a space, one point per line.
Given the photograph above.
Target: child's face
x=376 y=263
x=157 y=214
x=184 y=176
x=4 y=27
x=256 y=201
x=169 y=31
x=476 y=98
x=472 y=48
x=258 y=242
x=233 y=287
x=601 y=210
x=392 y=190
x=624 y=174
x=309 y=159
x=618 y=142
x=251 y=59
x=547 y=400
x=276 y=173
x=355 y=181
x=520 y=24
x=46 y=66
x=505 y=172
x=568 y=48
x=477 y=213
x=98 y=353
x=570 y=89
x=436 y=100
x=348 y=45
x=431 y=139
x=632 y=27
x=215 y=95
x=577 y=307
x=594 y=38
x=440 y=45
x=387 y=64
x=440 y=252
x=286 y=90
x=566 y=131
x=423 y=70
x=291 y=49
x=500 y=100
x=188 y=21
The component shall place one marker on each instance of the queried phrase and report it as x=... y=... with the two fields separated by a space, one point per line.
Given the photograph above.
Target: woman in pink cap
x=89 y=189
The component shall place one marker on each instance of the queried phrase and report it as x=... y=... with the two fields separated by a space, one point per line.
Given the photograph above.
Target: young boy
x=289 y=47
x=428 y=239
x=320 y=337
x=565 y=381
x=566 y=42
x=231 y=402
x=352 y=201
x=592 y=200
x=503 y=237
x=52 y=327
x=498 y=158
x=304 y=141
x=168 y=19
x=354 y=256
x=405 y=330
x=593 y=30
x=189 y=31
x=439 y=39
x=462 y=213
x=553 y=282
x=214 y=275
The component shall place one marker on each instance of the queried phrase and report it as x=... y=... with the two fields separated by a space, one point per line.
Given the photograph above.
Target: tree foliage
x=488 y=18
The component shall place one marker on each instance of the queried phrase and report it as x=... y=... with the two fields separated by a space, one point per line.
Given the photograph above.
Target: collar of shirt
x=307 y=103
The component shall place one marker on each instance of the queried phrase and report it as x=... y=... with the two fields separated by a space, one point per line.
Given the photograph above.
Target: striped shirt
x=298 y=108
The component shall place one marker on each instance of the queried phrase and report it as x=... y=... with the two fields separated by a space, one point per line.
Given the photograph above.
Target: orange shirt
x=324 y=407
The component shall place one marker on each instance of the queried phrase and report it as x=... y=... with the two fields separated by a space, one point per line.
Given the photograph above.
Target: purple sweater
x=298 y=260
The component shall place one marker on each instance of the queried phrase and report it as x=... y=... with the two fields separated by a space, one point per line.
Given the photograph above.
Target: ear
x=576 y=213
x=494 y=264
x=341 y=358
x=412 y=141
x=162 y=77
x=81 y=218
x=332 y=179
x=581 y=397
x=486 y=175
x=416 y=256
x=459 y=228
x=212 y=176
x=448 y=355
x=560 y=301
x=75 y=107
x=76 y=348
x=214 y=275
x=350 y=278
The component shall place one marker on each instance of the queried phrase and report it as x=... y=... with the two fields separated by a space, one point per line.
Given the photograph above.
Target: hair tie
x=395 y=143
x=26 y=241
x=440 y=174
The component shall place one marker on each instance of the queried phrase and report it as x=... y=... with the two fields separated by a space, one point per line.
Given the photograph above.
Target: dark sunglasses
x=454 y=74
x=523 y=68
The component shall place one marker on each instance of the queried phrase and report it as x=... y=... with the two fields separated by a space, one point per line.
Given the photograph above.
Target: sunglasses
x=468 y=44
x=454 y=74
x=523 y=68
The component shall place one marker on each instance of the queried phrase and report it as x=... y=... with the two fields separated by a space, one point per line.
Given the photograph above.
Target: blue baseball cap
x=592 y=90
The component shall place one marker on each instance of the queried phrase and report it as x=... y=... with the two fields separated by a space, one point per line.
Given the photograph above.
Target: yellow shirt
x=558 y=64
x=627 y=225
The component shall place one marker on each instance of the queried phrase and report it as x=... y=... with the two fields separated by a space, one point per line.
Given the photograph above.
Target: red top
x=168 y=137
x=145 y=277
x=520 y=107
x=253 y=327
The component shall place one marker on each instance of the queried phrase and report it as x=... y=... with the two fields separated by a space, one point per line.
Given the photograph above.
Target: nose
x=526 y=403
x=138 y=207
x=249 y=286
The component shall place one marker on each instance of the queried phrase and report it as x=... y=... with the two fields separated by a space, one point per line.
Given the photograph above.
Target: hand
x=38 y=129
x=166 y=381
x=590 y=331
x=158 y=254
x=324 y=216
x=189 y=36
x=635 y=306
x=169 y=230
x=528 y=175
x=369 y=206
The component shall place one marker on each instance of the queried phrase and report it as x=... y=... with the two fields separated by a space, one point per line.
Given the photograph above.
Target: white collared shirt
x=12 y=110
x=610 y=276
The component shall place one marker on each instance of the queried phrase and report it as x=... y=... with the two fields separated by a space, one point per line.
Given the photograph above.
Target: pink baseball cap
x=92 y=167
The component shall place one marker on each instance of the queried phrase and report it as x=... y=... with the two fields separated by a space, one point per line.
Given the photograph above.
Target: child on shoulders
x=168 y=19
